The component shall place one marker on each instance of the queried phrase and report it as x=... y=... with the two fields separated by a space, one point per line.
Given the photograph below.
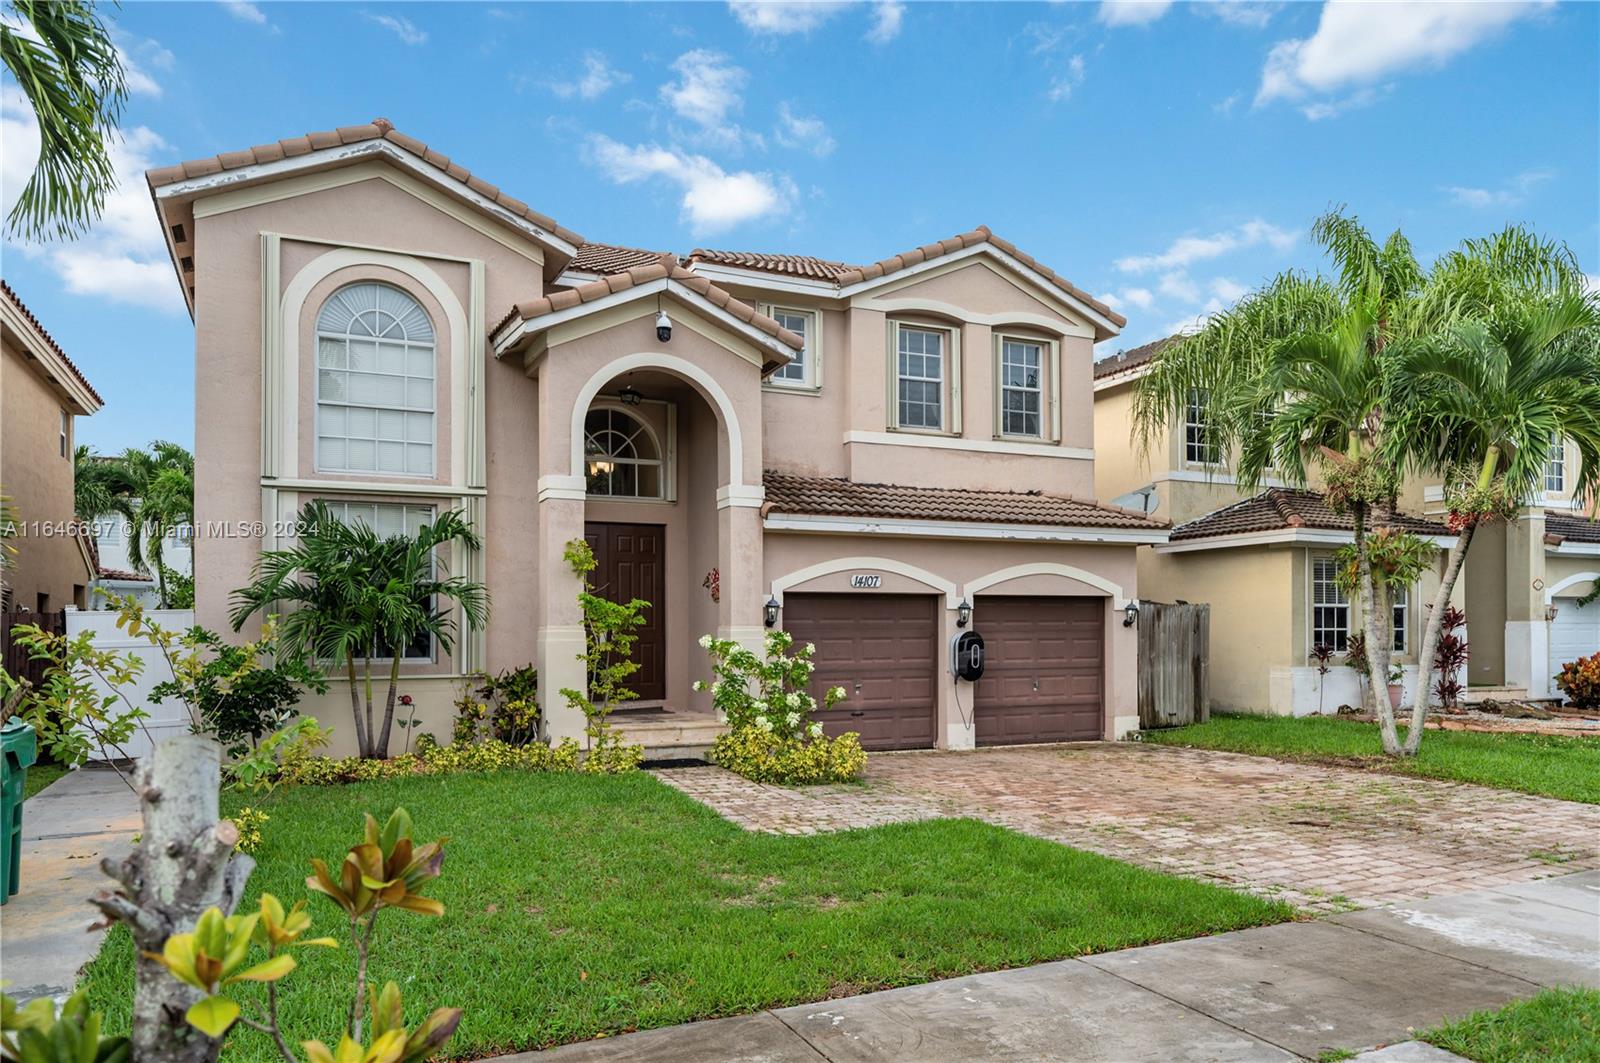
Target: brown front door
x=882 y=648
x=1043 y=669
x=632 y=564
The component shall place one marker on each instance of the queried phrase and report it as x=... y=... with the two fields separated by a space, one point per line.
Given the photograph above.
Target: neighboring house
x=119 y=577
x=41 y=396
x=1264 y=563
x=858 y=454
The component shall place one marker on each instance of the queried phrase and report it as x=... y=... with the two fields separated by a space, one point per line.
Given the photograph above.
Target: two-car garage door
x=1042 y=680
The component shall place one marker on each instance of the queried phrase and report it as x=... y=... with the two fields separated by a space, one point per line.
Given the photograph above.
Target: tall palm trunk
x=1378 y=652
x=382 y=746
x=362 y=744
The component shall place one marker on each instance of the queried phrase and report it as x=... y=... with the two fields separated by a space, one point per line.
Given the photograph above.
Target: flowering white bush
x=766 y=693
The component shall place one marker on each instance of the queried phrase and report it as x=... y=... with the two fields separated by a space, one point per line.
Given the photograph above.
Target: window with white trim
x=621 y=455
x=1330 y=608
x=1198 y=446
x=1401 y=614
x=66 y=434
x=389 y=519
x=375 y=382
x=1555 y=468
x=801 y=370
x=1022 y=365
x=920 y=375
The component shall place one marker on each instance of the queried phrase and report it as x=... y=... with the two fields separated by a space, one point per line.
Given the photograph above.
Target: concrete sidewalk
x=66 y=829
x=1286 y=992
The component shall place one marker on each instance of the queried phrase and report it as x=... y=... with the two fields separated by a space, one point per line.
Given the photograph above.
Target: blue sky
x=1167 y=156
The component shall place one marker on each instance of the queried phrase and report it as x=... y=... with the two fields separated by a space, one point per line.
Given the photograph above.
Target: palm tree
x=1484 y=404
x=162 y=481
x=360 y=597
x=63 y=59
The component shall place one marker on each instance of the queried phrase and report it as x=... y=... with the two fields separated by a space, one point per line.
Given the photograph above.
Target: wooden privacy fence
x=14 y=656
x=1174 y=664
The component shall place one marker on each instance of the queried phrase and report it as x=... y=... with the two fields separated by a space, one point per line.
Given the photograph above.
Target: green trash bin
x=19 y=747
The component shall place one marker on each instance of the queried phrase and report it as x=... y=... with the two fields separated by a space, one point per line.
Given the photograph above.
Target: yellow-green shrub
x=249 y=821
x=433 y=759
x=764 y=757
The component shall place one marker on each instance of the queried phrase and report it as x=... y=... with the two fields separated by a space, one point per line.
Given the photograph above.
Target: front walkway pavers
x=1325 y=838
x=1295 y=990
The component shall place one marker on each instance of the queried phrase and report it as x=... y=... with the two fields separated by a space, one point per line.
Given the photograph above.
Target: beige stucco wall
x=38 y=479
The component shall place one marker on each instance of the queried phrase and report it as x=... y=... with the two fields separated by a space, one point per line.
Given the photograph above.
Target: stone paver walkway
x=1324 y=838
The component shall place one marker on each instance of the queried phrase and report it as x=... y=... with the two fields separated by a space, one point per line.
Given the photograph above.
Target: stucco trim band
x=952 y=529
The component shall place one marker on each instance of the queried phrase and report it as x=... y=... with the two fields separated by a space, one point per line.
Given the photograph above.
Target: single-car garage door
x=1043 y=669
x=1574 y=632
x=883 y=649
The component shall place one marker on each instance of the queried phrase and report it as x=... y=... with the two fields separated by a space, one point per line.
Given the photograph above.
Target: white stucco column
x=1527 y=634
x=560 y=620
x=739 y=613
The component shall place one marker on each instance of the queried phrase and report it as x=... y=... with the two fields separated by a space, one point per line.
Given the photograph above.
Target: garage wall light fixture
x=769 y=612
x=963 y=613
x=1130 y=614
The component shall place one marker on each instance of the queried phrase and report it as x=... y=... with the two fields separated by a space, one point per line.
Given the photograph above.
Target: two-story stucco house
x=1264 y=562
x=862 y=455
x=42 y=394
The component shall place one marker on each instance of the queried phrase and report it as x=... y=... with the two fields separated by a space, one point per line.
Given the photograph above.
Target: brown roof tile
x=611 y=258
x=1570 y=527
x=22 y=308
x=378 y=128
x=819 y=496
x=792 y=265
x=1127 y=361
x=1282 y=508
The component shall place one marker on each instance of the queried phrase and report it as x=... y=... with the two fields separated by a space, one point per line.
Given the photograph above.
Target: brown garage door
x=1042 y=671
x=882 y=648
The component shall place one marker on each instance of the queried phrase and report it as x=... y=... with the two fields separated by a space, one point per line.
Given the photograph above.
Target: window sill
x=793 y=389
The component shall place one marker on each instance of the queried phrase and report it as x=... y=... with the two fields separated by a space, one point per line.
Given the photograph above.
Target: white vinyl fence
x=166 y=719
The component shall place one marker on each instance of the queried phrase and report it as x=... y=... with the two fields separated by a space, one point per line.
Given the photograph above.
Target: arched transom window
x=621 y=454
x=375 y=383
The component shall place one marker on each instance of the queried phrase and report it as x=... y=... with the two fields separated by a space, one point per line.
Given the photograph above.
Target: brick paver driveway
x=1323 y=838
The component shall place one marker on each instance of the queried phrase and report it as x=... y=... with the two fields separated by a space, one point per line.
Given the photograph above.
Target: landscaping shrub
x=503 y=707
x=765 y=757
x=1580 y=681
x=431 y=758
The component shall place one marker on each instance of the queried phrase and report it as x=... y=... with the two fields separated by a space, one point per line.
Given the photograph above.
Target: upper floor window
x=375 y=383
x=1555 y=469
x=1022 y=365
x=622 y=457
x=1199 y=448
x=920 y=377
x=389 y=519
x=801 y=370
x=66 y=433
x=1330 y=608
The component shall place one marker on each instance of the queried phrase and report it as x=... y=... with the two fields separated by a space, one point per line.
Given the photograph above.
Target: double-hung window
x=1555 y=468
x=389 y=519
x=1022 y=367
x=375 y=383
x=921 y=372
x=1402 y=613
x=1330 y=608
x=66 y=434
x=801 y=372
x=1199 y=446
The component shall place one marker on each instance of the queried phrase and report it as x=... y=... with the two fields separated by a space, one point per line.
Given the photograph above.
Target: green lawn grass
x=39 y=776
x=578 y=906
x=1557 y=1026
x=1568 y=768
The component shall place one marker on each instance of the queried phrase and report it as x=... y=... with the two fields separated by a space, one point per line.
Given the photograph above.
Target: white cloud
x=245 y=11
x=803 y=132
x=598 y=78
x=1064 y=84
x=780 y=18
x=712 y=199
x=1228 y=290
x=1189 y=249
x=1143 y=298
x=707 y=92
x=1239 y=12
x=138 y=58
x=887 y=15
x=1132 y=12
x=123 y=257
x=1177 y=285
x=1507 y=195
x=403 y=28
x=1358 y=44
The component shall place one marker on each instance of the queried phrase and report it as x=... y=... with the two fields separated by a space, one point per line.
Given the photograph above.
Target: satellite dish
x=1144 y=500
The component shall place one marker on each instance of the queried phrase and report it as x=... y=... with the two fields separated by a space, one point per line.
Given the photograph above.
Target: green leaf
x=266 y=971
x=212 y=1016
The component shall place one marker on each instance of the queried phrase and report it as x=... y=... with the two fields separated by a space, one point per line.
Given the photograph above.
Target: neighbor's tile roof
x=610 y=258
x=664 y=266
x=22 y=308
x=819 y=496
x=1127 y=361
x=1281 y=509
x=793 y=265
x=980 y=235
x=378 y=128
x=1570 y=527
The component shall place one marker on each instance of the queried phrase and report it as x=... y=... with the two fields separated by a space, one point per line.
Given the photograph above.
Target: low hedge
x=765 y=757
x=433 y=759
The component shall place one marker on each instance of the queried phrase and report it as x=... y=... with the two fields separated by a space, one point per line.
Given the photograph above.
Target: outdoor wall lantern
x=963 y=613
x=1130 y=614
x=769 y=612
x=630 y=395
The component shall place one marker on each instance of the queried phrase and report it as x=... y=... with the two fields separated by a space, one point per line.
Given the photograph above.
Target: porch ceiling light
x=630 y=395
x=963 y=613
x=769 y=612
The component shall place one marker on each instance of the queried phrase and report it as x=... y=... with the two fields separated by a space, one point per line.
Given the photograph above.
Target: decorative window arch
x=376 y=368
x=622 y=457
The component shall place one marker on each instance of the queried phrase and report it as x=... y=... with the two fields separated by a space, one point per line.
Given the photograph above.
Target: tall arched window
x=621 y=455
x=375 y=382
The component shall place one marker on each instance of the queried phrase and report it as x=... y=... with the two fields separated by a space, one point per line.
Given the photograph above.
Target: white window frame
x=811 y=356
x=340 y=509
x=319 y=403
x=1211 y=456
x=950 y=396
x=1338 y=600
x=1049 y=389
x=663 y=460
x=66 y=434
x=1400 y=623
x=1555 y=466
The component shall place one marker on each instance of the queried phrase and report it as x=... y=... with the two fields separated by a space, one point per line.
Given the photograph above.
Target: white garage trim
x=1554 y=589
x=884 y=564
x=1048 y=568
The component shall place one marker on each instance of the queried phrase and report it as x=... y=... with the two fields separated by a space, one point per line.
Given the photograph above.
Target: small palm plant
x=358 y=597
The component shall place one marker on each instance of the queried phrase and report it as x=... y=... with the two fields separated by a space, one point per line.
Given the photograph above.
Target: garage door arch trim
x=845 y=564
x=1049 y=568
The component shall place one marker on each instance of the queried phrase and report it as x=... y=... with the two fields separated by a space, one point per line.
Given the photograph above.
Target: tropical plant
x=360 y=598
x=63 y=59
x=1321 y=653
x=36 y=1033
x=1579 y=680
x=99 y=487
x=504 y=707
x=609 y=632
x=161 y=479
x=1450 y=657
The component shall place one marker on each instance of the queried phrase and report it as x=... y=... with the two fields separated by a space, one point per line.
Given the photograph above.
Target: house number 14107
x=866 y=580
